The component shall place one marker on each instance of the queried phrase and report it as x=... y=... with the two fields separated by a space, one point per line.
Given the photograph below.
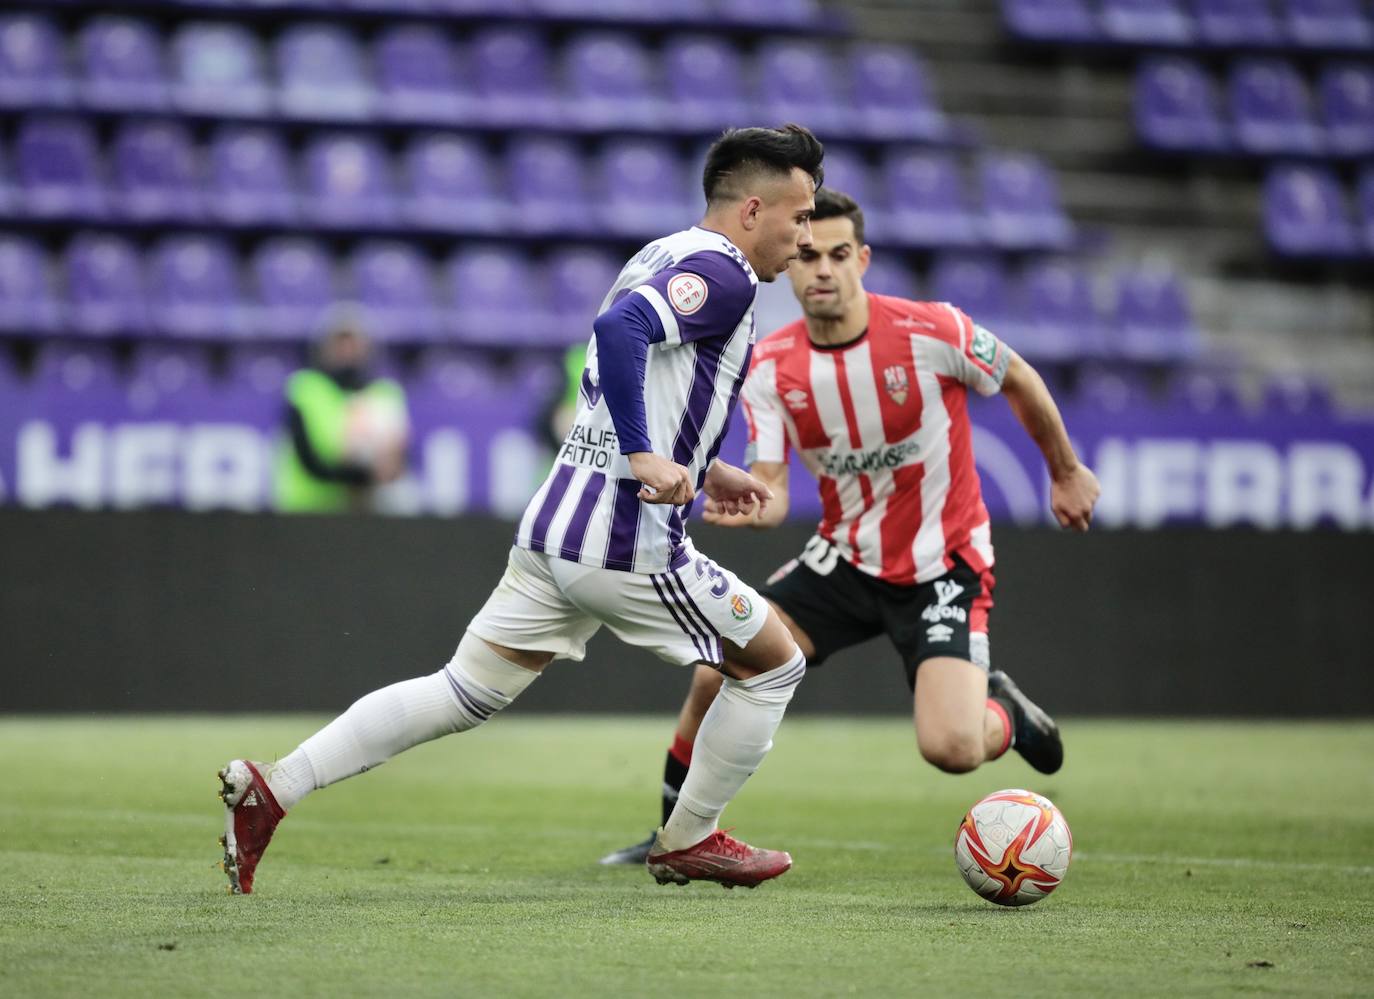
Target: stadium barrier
x=166 y=611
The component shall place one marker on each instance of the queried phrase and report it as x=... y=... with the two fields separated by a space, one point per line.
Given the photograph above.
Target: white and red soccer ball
x=1013 y=847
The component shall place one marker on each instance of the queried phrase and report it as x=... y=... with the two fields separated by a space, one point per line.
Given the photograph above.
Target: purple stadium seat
x=1112 y=388
x=1329 y=24
x=767 y=13
x=294 y=280
x=249 y=178
x=1051 y=20
x=33 y=70
x=1021 y=206
x=1296 y=395
x=58 y=167
x=1205 y=392
x=926 y=201
x=255 y=381
x=27 y=303
x=892 y=94
x=848 y=172
x=321 y=72
x=1151 y=318
x=347 y=182
x=450 y=185
x=65 y=368
x=169 y=381
x=1061 y=320
x=548 y=186
x=706 y=82
x=495 y=297
x=105 y=286
x=888 y=274
x=1364 y=195
x=1237 y=22
x=1305 y=213
x=123 y=66
x=1347 y=102
x=420 y=77
x=453 y=376
x=1272 y=109
x=798 y=82
x=512 y=76
x=218 y=69
x=393 y=283
x=611 y=83
x=976 y=284
x=1176 y=107
x=156 y=172
x=1147 y=22
x=642 y=190
x=193 y=288
x=577 y=279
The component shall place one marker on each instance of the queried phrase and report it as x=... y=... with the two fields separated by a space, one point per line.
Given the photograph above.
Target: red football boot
x=720 y=858
x=251 y=814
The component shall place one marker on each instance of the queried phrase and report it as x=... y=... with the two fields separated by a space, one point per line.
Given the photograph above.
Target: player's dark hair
x=831 y=204
x=741 y=153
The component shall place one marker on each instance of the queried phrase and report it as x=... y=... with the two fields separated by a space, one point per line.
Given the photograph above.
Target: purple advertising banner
x=1158 y=465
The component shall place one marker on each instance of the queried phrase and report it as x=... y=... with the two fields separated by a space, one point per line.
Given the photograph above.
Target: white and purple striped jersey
x=691 y=296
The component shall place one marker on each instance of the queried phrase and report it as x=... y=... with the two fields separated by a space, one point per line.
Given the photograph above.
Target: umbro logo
x=946 y=590
x=939 y=633
x=796 y=400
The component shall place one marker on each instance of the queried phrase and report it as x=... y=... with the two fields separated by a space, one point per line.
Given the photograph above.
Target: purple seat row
x=1330 y=25
x=445 y=182
x=1307 y=212
x=1270 y=108
x=502 y=76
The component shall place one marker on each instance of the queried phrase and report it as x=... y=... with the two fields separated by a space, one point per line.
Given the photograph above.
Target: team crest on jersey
x=796 y=400
x=897 y=385
x=984 y=345
x=740 y=607
x=687 y=293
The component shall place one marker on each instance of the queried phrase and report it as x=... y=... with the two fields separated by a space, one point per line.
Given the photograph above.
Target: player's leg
x=487 y=672
x=957 y=727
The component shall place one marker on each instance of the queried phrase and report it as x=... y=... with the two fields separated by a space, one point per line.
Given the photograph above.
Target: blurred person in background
x=346 y=429
x=871 y=391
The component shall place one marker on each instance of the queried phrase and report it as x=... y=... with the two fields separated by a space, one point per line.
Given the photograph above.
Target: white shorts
x=548 y=604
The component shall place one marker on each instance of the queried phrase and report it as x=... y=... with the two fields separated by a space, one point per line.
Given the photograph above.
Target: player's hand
x=665 y=481
x=733 y=496
x=1073 y=496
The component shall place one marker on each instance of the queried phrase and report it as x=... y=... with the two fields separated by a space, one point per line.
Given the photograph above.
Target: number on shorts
x=719 y=584
x=820 y=556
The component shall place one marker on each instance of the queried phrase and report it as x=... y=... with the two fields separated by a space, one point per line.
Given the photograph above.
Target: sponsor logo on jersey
x=939 y=633
x=687 y=293
x=796 y=400
x=895 y=380
x=946 y=590
x=909 y=323
x=740 y=607
x=835 y=464
x=984 y=345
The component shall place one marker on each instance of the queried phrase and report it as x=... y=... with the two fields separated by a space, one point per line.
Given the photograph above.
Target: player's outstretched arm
x=1073 y=486
x=759 y=495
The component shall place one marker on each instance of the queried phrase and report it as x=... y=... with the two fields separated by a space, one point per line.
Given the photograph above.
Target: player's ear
x=749 y=213
x=865 y=256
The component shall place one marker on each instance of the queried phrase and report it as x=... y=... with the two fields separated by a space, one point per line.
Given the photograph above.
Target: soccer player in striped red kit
x=603 y=541
x=871 y=393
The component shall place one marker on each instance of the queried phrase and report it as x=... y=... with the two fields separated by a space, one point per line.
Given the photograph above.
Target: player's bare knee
x=772 y=647
x=952 y=752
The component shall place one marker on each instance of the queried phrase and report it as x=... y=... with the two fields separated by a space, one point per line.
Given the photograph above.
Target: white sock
x=734 y=737
x=475 y=685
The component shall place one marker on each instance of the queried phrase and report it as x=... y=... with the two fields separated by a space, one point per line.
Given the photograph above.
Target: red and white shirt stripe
x=882 y=423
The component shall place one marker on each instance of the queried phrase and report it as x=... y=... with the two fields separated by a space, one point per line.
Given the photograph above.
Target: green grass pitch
x=1211 y=859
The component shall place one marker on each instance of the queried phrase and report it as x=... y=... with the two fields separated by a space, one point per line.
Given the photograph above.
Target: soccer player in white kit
x=602 y=541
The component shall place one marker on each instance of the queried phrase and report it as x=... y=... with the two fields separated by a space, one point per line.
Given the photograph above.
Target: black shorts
x=839 y=606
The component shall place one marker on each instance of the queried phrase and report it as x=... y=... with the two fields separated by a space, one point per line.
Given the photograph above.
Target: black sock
x=674 y=773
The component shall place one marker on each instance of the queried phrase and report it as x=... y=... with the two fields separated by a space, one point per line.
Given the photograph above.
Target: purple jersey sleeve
x=623 y=334
x=703 y=295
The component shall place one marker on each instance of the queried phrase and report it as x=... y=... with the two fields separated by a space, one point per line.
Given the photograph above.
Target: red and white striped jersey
x=882 y=423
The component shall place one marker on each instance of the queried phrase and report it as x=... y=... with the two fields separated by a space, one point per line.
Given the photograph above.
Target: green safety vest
x=323 y=406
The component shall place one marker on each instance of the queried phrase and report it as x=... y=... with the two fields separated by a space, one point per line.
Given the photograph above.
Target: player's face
x=784 y=224
x=828 y=276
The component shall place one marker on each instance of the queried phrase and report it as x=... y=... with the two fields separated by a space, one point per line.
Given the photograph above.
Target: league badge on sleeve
x=687 y=293
x=984 y=345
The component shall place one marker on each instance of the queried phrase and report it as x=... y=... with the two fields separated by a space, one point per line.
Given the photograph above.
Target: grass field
x=1211 y=859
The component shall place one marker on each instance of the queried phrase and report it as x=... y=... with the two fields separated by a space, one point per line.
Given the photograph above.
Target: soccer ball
x=1013 y=847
